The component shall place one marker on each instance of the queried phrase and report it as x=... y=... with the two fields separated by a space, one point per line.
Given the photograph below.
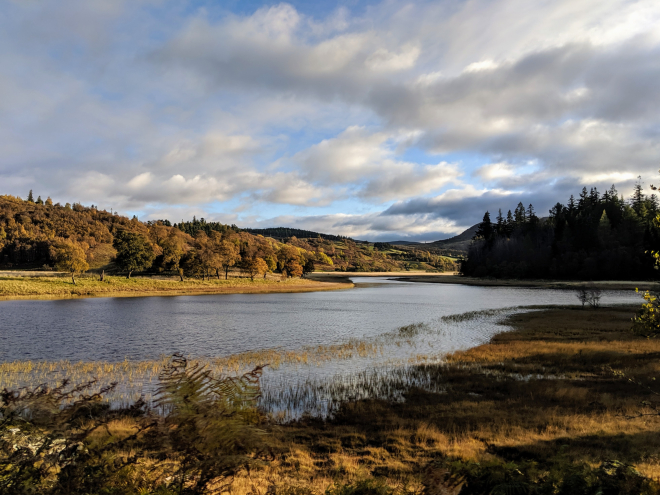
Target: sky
x=376 y=120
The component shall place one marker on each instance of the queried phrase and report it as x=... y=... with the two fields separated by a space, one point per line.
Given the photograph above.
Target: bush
x=369 y=486
x=59 y=440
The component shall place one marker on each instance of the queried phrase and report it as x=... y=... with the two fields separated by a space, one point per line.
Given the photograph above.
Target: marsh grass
x=544 y=394
x=60 y=287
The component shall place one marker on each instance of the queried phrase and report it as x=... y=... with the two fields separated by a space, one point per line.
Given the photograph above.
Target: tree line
x=77 y=238
x=594 y=237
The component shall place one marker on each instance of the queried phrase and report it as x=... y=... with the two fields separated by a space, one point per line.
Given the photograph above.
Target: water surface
x=112 y=329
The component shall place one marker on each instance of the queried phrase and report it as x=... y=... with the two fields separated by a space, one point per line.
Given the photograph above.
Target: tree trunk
x=217 y=273
x=73 y=278
x=226 y=272
x=181 y=275
x=129 y=274
x=102 y=276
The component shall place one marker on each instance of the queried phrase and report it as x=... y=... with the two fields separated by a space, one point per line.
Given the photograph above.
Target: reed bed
x=312 y=381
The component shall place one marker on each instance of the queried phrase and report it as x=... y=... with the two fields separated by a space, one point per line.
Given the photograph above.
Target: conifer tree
x=519 y=215
x=485 y=229
x=30 y=198
x=500 y=223
x=509 y=224
x=39 y=200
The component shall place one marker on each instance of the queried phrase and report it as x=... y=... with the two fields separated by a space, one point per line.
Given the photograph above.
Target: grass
x=546 y=392
x=61 y=287
x=543 y=393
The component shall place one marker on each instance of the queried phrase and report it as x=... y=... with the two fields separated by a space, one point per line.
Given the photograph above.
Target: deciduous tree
x=254 y=267
x=229 y=256
x=134 y=252
x=70 y=257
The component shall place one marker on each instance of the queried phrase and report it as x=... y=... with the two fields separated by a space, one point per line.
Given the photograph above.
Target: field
x=89 y=286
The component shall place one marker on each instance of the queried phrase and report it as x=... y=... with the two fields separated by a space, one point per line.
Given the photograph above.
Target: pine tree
x=500 y=223
x=39 y=200
x=485 y=229
x=30 y=198
x=584 y=199
x=531 y=214
x=508 y=227
x=637 y=199
x=571 y=205
x=519 y=215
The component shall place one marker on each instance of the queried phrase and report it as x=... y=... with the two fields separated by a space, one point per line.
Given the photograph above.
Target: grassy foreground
x=56 y=287
x=543 y=395
x=540 y=409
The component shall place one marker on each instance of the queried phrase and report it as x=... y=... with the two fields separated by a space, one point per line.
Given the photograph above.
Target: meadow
x=90 y=286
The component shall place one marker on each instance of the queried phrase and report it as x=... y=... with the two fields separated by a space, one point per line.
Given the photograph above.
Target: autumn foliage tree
x=229 y=255
x=255 y=266
x=70 y=257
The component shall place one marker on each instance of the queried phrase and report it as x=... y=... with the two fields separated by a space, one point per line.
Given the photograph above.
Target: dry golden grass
x=61 y=287
x=543 y=391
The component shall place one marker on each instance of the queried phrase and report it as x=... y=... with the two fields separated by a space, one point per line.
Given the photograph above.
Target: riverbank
x=62 y=288
x=539 y=401
x=536 y=284
x=453 y=278
x=345 y=277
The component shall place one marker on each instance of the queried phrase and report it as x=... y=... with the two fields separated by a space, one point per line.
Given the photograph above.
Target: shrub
x=59 y=440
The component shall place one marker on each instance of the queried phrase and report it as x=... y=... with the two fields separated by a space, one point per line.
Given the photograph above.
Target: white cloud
x=144 y=105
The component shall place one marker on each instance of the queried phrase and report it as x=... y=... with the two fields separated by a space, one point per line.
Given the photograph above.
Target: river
x=112 y=329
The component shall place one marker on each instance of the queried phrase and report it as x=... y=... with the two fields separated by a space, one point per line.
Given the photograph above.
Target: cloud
x=422 y=114
x=368 y=161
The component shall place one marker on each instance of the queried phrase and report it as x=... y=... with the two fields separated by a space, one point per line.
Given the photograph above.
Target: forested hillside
x=39 y=234
x=596 y=237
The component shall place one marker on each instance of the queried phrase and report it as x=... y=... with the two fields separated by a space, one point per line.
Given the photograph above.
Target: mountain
x=460 y=242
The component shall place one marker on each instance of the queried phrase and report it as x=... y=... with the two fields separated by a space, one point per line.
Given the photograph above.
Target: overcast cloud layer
x=380 y=121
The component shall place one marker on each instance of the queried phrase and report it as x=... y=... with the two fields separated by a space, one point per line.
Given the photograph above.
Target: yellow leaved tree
x=70 y=257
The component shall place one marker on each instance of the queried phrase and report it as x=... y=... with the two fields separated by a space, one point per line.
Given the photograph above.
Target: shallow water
x=112 y=329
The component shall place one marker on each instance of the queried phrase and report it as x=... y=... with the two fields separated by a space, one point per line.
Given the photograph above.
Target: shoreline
x=87 y=288
x=452 y=278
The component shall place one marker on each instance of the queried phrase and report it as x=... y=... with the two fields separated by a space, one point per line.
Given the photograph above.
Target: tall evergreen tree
x=499 y=226
x=637 y=199
x=485 y=229
x=30 y=198
x=519 y=215
x=531 y=215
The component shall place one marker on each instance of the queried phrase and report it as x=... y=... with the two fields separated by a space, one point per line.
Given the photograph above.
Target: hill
x=460 y=242
x=285 y=232
x=33 y=232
